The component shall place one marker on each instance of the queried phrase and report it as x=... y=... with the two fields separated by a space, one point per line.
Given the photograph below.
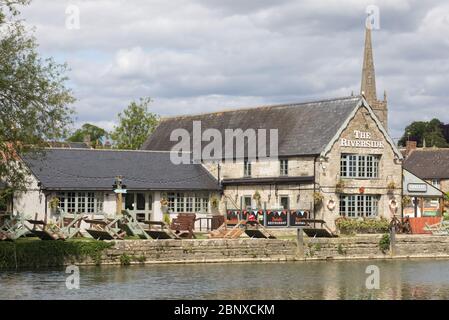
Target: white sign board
x=417 y=187
x=120 y=190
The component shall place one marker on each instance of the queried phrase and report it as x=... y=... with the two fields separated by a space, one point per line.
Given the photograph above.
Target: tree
x=95 y=134
x=431 y=132
x=34 y=102
x=135 y=125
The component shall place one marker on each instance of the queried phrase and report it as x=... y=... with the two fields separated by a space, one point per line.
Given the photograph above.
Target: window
x=171 y=202
x=359 y=166
x=90 y=202
x=150 y=202
x=80 y=202
x=129 y=201
x=140 y=201
x=247 y=202
x=247 y=168
x=189 y=204
x=71 y=202
x=284 y=202
x=354 y=206
x=283 y=167
x=182 y=202
x=436 y=183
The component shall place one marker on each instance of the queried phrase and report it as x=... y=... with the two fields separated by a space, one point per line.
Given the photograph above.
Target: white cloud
x=205 y=55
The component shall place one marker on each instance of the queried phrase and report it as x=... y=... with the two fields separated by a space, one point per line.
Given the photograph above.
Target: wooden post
x=300 y=243
x=392 y=241
x=119 y=200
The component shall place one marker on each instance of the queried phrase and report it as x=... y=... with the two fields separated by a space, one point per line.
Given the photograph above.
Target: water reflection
x=406 y=279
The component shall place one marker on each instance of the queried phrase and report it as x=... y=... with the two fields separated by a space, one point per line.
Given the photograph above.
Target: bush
x=384 y=243
x=353 y=226
x=30 y=253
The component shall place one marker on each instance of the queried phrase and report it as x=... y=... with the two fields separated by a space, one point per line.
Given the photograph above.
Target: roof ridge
x=116 y=150
x=293 y=104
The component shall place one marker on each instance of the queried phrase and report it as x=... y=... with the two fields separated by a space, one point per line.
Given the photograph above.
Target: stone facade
x=325 y=171
x=390 y=169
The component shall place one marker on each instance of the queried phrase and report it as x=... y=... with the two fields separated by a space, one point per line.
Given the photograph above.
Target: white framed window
x=361 y=205
x=247 y=202
x=359 y=166
x=183 y=202
x=436 y=183
x=283 y=163
x=247 y=168
x=80 y=202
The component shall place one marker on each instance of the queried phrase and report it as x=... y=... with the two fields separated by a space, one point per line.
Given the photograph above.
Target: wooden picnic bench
x=160 y=230
x=183 y=225
x=105 y=229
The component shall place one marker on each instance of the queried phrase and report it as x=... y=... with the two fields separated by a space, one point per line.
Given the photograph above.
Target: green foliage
x=341 y=250
x=166 y=218
x=31 y=253
x=33 y=97
x=318 y=198
x=125 y=260
x=430 y=131
x=135 y=125
x=353 y=226
x=384 y=243
x=95 y=134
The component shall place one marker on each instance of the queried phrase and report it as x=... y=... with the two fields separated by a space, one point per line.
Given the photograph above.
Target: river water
x=398 y=279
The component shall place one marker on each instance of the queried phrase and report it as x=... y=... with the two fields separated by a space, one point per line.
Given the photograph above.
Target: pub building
x=335 y=158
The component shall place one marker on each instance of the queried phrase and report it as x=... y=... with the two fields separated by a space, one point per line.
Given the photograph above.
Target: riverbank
x=42 y=254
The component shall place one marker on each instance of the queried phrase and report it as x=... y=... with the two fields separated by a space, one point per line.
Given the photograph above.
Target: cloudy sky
x=194 y=56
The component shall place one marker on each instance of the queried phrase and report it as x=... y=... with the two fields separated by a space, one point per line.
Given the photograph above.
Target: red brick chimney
x=410 y=146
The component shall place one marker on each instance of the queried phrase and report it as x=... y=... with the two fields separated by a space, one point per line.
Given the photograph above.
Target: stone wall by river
x=252 y=250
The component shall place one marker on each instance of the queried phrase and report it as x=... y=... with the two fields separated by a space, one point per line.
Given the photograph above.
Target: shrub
x=384 y=243
x=125 y=260
x=30 y=253
x=353 y=226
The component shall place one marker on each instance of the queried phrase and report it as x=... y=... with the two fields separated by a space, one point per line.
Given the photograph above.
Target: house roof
x=86 y=169
x=429 y=163
x=303 y=128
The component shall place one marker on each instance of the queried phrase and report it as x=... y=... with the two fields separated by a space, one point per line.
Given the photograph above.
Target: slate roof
x=86 y=169
x=303 y=128
x=429 y=163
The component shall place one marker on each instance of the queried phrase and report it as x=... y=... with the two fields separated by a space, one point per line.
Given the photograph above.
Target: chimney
x=410 y=146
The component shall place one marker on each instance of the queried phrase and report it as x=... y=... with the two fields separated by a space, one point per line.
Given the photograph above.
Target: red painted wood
x=418 y=224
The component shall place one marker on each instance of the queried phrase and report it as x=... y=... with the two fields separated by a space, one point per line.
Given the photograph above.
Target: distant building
x=430 y=164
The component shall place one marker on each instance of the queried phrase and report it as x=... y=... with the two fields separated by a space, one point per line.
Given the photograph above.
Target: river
x=398 y=279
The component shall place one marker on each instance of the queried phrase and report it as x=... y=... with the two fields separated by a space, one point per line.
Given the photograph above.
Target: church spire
x=368 y=88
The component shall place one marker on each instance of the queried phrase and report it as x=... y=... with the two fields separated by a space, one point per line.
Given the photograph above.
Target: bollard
x=392 y=241
x=300 y=243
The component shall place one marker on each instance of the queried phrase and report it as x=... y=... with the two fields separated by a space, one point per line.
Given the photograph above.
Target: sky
x=195 y=56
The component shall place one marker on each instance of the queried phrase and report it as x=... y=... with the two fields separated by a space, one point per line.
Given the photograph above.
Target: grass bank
x=32 y=253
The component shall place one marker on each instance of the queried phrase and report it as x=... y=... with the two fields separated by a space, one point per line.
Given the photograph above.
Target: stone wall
x=261 y=250
x=188 y=251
